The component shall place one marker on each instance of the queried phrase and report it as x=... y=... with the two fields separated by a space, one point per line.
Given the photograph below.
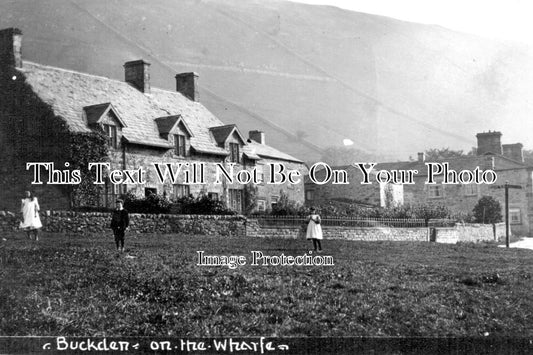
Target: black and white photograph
x=266 y=177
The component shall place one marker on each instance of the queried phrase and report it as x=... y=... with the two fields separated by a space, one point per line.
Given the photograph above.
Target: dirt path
x=524 y=243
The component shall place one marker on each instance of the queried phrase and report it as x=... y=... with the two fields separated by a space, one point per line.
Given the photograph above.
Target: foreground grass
x=78 y=286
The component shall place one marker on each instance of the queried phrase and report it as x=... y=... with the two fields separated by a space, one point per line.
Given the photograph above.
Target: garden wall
x=253 y=229
x=97 y=222
x=472 y=233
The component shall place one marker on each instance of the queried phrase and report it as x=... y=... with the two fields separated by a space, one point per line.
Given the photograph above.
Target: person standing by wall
x=314 y=230
x=30 y=221
x=120 y=220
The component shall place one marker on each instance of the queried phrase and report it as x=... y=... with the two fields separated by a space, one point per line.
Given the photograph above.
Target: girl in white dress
x=31 y=223
x=314 y=230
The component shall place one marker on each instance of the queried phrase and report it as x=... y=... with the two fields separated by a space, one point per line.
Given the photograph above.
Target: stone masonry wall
x=240 y=226
x=96 y=222
x=253 y=229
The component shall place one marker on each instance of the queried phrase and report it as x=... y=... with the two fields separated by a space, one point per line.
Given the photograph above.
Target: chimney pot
x=137 y=73
x=421 y=157
x=10 y=48
x=257 y=136
x=186 y=84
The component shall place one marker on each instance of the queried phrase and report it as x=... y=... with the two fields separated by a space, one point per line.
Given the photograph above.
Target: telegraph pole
x=507 y=186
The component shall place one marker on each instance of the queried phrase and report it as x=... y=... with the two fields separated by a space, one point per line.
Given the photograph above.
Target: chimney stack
x=489 y=142
x=137 y=73
x=513 y=151
x=186 y=84
x=258 y=136
x=421 y=157
x=10 y=48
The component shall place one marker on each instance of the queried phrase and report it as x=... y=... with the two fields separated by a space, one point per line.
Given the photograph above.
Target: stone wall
x=95 y=222
x=480 y=232
x=458 y=233
x=253 y=229
x=240 y=226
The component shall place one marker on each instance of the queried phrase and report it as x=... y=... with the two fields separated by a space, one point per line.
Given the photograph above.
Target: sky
x=498 y=19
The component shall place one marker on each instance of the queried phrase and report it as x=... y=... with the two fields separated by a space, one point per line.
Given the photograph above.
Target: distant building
x=367 y=195
x=505 y=160
x=42 y=106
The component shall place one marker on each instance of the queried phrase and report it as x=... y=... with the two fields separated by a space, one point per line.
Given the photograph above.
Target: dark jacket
x=120 y=219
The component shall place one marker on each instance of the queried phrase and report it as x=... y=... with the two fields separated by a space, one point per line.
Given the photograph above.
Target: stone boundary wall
x=240 y=226
x=98 y=222
x=347 y=233
x=480 y=232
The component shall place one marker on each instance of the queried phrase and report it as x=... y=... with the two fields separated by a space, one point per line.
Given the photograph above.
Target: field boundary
x=440 y=231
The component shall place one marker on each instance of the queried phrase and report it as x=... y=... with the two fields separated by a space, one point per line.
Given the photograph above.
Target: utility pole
x=507 y=186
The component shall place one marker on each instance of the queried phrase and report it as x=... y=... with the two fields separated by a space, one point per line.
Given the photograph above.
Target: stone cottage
x=43 y=107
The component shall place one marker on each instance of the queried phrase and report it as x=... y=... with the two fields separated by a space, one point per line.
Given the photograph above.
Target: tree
x=435 y=154
x=487 y=210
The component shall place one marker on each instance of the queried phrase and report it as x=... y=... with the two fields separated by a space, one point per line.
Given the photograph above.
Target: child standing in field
x=120 y=220
x=314 y=230
x=29 y=210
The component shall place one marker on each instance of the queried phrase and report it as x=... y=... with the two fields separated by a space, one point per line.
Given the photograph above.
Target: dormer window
x=234 y=153
x=174 y=128
x=111 y=133
x=104 y=117
x=180 y=145
x=229 y=138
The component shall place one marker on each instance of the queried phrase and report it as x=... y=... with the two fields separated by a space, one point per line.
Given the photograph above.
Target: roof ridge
x=224 y=126
x=96 y=76
x=71 y=71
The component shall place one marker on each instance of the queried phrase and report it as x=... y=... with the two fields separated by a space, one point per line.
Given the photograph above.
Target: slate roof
x=266 y=151
x=69 y=92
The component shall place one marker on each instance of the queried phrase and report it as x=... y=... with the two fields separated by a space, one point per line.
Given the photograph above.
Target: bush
x=487 y=210
x=343 y=208
x=153 y=203
x=200 y=205
x=286 y=207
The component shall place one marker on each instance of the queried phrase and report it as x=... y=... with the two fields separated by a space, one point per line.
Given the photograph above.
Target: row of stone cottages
x=42 y=107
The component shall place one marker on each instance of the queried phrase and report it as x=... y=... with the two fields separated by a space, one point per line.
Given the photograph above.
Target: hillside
x=309 y=76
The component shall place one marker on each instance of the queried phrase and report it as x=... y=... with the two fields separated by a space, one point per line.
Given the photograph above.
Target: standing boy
x=119 y=222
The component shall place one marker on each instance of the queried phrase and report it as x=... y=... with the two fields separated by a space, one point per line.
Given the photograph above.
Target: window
x=213 y=196
x=111 y=132
x=235 y=199
x=181 y=190
x=470 y=189
x=234 y=152
x=261 y=205
x=309 y=195
x=515 y=217
x=273 y=200
x=180 y=145
x=149 y=191
x=435 y=191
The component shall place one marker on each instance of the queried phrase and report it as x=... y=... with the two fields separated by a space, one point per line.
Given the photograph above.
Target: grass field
x=78 y=286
